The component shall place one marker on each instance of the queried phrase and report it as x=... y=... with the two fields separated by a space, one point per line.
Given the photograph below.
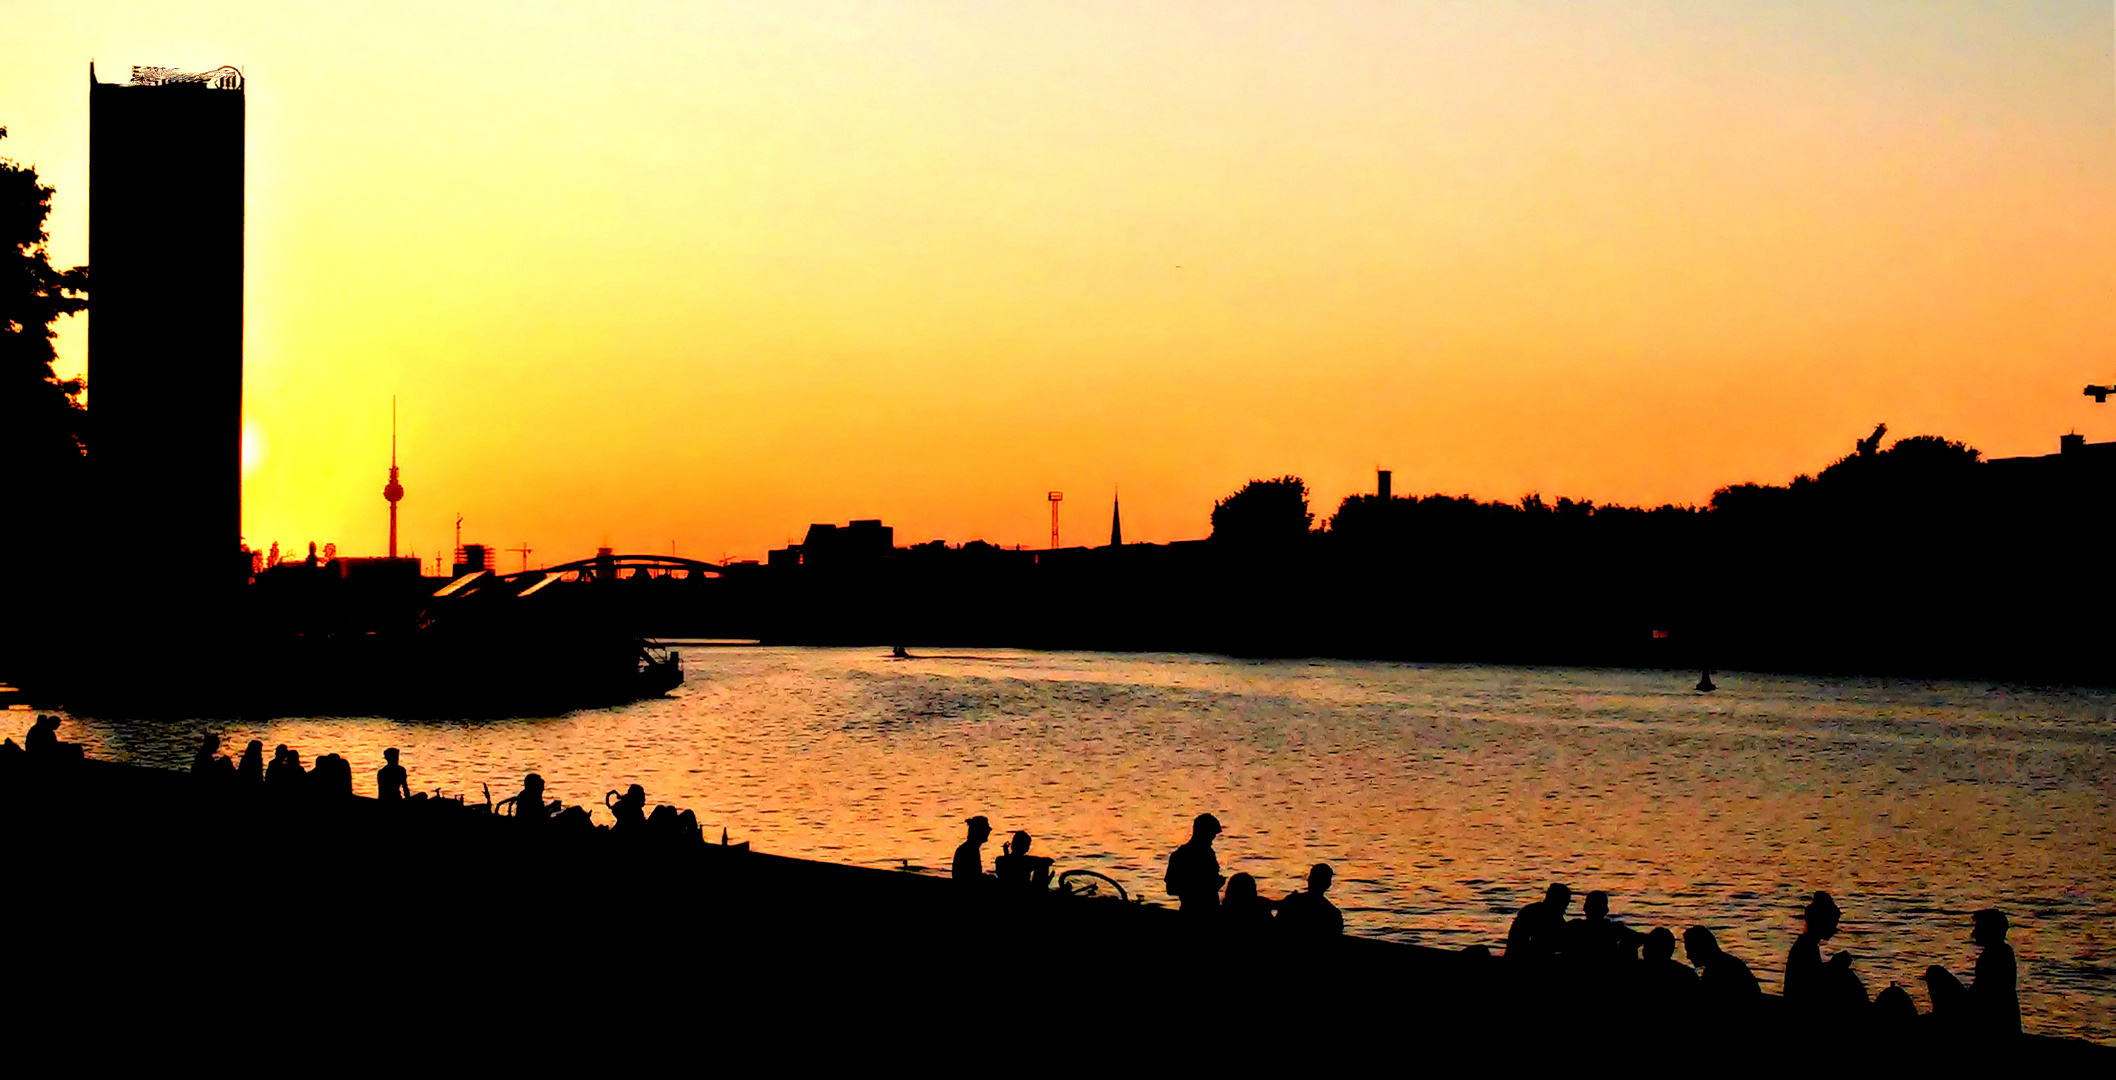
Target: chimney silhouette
x=1381 y=484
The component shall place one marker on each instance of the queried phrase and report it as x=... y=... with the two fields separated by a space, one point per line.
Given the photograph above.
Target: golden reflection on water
x=1444 y=796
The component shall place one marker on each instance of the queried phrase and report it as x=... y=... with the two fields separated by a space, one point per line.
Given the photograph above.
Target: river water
x=1444 y=796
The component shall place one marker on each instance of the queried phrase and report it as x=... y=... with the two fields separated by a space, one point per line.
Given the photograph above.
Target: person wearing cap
x=969 y=856
x=1193 y=876
x=1991 y=1005
x=1994 y=993
x=1812 y=985
x=391 y=783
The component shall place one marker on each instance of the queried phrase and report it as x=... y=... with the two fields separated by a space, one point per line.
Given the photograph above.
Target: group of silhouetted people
x=331 y=775
x=284 y=777
x=1015 y=869
x=1193 y=878
x=1825 y=996
x=42 y=743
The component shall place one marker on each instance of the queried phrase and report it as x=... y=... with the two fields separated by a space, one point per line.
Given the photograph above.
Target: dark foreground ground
x=149 y=914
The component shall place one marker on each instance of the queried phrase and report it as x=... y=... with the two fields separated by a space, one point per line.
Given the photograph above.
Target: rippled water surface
x=1444 y=796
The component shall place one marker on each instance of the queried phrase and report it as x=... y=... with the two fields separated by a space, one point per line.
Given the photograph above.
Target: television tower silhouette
x=1055 y=497
x=393 y=491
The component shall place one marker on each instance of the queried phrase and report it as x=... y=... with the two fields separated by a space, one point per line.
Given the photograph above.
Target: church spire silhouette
x=1116 y=522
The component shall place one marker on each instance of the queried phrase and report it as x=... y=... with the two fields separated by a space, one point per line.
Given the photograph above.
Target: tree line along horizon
x=1278 y=509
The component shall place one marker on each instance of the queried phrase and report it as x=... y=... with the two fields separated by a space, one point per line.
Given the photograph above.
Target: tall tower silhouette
x=165 y=195
x=1116 y=522
x=393 y=491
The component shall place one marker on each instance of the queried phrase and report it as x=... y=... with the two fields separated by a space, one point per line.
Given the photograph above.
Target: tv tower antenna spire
x=393 y=491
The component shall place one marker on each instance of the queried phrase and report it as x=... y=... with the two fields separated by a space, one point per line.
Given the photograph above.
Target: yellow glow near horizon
x=643 y=274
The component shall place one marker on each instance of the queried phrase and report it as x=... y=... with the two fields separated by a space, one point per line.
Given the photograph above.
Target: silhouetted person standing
x=1723 y=979
x=1310 y=914
x=1193 y=876
x=969 y=862
x=391 y=783
x=1538 y=932
x=252 y=770
x=1019 y=870
x=1812 y=986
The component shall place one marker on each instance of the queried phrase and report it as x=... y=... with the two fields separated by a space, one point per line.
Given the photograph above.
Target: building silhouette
x=165 y=196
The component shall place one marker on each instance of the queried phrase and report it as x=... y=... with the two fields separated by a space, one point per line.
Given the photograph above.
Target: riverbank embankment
x=154 y=892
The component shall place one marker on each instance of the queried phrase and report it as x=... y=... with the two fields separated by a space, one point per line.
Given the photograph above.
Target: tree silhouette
x=42 y=424
x=1264 y=512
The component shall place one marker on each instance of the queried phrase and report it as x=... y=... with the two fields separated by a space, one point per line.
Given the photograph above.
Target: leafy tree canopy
x=1264 y=512
x=42 y=423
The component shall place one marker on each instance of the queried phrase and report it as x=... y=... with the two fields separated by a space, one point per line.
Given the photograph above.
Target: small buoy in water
x=1704 y=682
x=898 y=653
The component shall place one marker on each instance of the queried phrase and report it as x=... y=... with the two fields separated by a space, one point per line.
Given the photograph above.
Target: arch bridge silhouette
x=615 y=567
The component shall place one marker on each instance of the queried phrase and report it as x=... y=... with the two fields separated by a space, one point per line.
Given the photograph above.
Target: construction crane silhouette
x=1056 y=497
x=524 y=551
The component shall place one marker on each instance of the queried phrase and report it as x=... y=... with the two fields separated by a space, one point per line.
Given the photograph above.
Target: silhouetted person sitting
x=630 y=810
x=1596 y=940
x=1243 y=909
x=1310 y=914
x=529 y=805
x=1815 y=987
x=1019 y=870
x=1193 y=876
x=43 y=737
x=1538 y=932
x=1990 y=1006
x=1660 y=978
x=1893 y=1012
x=1996 y=992
x=969 y=862
x=252 y=770
x=1722 y=979
x=668 y=825
x=332 y=776
x=285 y=774
x=391 y=783
x=209 y=762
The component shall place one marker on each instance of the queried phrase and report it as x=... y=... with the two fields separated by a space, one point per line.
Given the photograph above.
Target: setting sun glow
x=649 y=274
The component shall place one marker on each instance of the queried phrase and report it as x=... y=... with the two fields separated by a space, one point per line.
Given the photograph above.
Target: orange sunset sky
x=644 y=274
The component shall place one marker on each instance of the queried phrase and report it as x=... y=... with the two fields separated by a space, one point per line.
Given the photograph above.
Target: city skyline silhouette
x=909 y=278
